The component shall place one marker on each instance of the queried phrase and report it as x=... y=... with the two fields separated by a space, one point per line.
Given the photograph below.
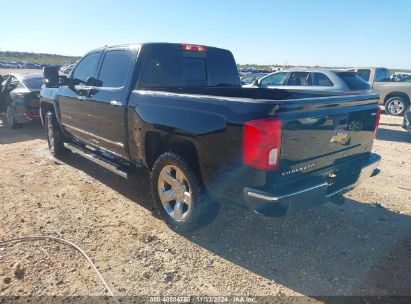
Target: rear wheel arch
x=396 y=103
x=397 y=94
x=156 y=144
x=182 y=212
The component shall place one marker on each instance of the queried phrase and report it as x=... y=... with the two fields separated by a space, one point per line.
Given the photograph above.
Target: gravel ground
x=360 y=248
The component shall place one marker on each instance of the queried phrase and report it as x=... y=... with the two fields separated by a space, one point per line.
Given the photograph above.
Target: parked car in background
x=66 y=69
x=180 y=111
x=405 y=79
x=28 y=65
x=19 y=98
x=395 y=96
x=313 y=80
x=249 y=79
x=400 y=76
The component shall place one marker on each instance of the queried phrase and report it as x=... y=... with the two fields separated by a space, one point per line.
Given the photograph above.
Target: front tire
x=11 y=121
x=55 y=138
x=179 y=197
x=396 y=106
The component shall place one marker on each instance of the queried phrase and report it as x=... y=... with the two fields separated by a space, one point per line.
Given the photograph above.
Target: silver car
x=313 y=80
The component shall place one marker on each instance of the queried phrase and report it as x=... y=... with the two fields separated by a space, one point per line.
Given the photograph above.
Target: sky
x=311 y=32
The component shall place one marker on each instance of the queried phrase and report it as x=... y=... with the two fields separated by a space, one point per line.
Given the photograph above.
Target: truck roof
x=373 y=68
x=139 y=45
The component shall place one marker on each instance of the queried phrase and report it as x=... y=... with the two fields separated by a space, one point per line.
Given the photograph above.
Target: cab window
x=86 y=68
x=115 y=68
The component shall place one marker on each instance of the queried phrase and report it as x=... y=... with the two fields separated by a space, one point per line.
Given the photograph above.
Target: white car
x=313 y=80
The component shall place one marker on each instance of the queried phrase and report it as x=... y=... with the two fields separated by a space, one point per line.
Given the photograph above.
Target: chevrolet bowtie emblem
x=341 y=137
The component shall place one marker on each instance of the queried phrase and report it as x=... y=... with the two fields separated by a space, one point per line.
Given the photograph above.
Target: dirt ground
x=360 y=248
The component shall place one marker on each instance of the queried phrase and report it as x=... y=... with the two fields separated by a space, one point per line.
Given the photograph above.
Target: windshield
x=33 y=84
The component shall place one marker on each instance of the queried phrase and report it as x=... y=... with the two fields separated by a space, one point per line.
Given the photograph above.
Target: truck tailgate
x=321 y=133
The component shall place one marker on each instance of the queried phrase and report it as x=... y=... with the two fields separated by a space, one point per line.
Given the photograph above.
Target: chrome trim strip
x=93 y=135
x=278 y=198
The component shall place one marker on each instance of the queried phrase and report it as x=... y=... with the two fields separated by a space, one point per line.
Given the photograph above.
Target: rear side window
x=353 y=81
x=87 y=67
x=382 y=75
x=171 y=67
x=297 y=79
x=162 y=69
x=364 y=74
x=320 y=80
x=152 y=74
x=115 y=68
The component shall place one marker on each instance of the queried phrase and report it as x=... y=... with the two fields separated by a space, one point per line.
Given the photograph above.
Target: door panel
x=107 y=102
x=74 y=109
x=106 y=119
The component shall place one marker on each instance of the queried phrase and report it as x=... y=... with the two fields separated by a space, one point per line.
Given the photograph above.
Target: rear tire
x=55 y=138
x=396 y=106
x=11 y=121
x=178 y=195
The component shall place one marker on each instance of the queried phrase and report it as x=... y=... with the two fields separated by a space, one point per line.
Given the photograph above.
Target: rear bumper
x=306 y=197
x=24 y=113
x=27 y=116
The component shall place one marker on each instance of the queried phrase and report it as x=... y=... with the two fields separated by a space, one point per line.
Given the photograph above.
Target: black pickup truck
x=180 y=111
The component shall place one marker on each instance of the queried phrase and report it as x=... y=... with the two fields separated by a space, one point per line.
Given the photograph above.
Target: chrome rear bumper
x=305 y=198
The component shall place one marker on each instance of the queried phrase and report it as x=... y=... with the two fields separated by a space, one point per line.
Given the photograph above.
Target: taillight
x=262 y=143
x=377 y=121
x=193 y=48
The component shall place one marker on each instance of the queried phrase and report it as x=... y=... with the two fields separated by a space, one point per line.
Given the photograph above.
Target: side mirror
x=51 y=77
x=63 y=80
x=91 y=81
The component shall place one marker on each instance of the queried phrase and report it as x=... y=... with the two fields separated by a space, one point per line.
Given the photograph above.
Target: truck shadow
x=136 y=189
x=26 y=132
x=394 y=135
x=354 y=249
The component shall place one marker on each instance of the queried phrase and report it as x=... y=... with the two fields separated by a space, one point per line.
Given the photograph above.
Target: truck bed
x=312 y=124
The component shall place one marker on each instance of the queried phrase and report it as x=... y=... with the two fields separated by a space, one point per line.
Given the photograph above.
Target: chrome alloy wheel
x=10 y=121
x=396 y=106
x=175 y=192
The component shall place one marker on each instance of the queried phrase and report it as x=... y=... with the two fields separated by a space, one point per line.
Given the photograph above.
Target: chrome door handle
x=116 y=103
